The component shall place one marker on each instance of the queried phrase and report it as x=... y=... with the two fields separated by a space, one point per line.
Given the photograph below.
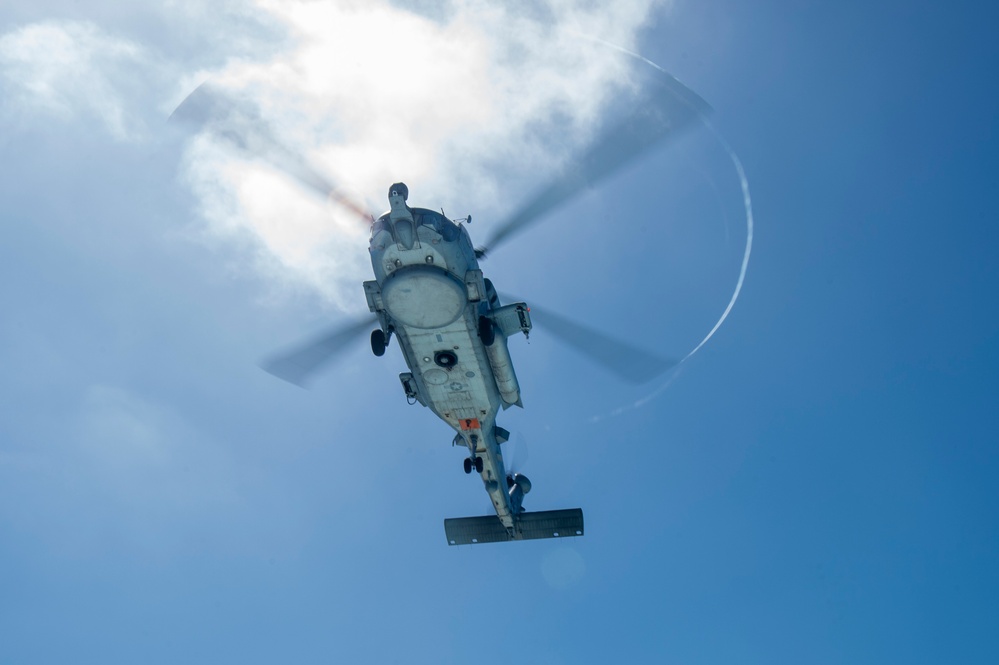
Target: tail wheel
x=378 y=342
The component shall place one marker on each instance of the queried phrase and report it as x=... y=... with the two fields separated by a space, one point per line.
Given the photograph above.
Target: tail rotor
x=517 y=483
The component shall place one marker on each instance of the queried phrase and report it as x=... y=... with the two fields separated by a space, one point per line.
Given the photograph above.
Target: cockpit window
x=449 y=230
x=440 y=223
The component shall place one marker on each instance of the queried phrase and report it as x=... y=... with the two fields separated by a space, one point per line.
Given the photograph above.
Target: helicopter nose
x=399 y=189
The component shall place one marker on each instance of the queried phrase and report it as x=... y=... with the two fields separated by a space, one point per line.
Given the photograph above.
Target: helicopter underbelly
x=458 y=390
x=431 y=295
x=464 y=395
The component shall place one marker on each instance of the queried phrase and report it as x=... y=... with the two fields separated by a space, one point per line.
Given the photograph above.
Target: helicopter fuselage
x=430 y=294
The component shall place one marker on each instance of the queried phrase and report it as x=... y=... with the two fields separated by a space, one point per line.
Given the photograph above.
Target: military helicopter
x=430 y=294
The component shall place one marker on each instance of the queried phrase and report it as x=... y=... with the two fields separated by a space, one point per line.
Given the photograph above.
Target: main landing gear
x=487 y=333
x=379 y=340
x=469 y=464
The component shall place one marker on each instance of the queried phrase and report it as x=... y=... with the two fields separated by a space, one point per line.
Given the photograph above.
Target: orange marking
x=470 y=423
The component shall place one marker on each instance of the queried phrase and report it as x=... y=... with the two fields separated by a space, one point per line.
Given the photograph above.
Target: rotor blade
x=518 y=452
x=296 y=365
x=239 y=123
x=627 y=361
x=671 y=107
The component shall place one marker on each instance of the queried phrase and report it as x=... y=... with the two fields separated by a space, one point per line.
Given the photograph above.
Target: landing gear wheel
x=487 y=333
x=468 y=465
x=378 y=342
x=478 y=465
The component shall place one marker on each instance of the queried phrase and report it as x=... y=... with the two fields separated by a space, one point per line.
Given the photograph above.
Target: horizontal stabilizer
x=529 y=526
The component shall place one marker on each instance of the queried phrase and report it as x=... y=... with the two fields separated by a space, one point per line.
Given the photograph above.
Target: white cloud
x=65 y=69
x=472 y=108
x=469 y=109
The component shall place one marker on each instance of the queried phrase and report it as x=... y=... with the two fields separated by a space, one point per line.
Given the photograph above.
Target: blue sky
x=815 y=485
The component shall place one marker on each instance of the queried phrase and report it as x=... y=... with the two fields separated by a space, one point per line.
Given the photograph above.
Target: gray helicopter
x=430 y=294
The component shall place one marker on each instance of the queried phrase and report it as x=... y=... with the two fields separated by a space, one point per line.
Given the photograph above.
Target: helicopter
x=430 y=294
